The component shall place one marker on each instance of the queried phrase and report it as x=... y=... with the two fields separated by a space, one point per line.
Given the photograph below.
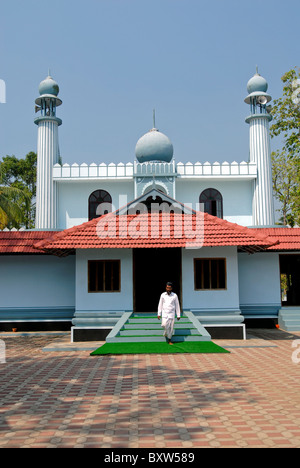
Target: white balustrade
x=129 y=170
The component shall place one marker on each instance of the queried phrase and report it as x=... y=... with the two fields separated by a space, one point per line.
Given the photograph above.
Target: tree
x=285 y=177
x=10 y=211
x=286 y=161
x=18 y=182
x=286 y=113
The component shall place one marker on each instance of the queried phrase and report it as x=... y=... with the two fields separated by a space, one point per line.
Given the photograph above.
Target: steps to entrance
x=289 y=318
x=135 y=327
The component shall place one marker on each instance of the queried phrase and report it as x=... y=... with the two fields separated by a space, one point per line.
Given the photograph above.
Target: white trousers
x=168 y=325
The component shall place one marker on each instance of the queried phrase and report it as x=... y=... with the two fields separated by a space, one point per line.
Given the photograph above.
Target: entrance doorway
x=152 y=269
x=290 y=280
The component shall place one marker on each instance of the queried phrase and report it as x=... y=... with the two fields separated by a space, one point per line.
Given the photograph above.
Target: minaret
x=260 y=150
x=47 y=153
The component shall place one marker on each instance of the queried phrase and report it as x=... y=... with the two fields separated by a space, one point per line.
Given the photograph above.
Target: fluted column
x=47 y=156
x=260 y=153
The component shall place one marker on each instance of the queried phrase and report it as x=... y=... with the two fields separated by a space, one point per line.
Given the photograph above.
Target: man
x=167 y=307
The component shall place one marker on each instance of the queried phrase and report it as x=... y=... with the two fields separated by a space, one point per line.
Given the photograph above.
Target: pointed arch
x=96 y=199
x=213 y=202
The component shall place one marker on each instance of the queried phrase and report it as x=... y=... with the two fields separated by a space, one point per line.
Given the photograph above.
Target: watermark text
x=2 y=352
x=2 y=92
x=296 y=353
x=153 y=221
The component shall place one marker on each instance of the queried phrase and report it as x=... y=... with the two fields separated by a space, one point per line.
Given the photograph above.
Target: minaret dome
x=49 y=86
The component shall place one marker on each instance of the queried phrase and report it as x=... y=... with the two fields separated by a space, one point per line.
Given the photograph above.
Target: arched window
x=212 y=201
x=96 y=199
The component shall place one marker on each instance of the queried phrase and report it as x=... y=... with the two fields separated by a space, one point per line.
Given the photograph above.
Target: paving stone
x=66 y=398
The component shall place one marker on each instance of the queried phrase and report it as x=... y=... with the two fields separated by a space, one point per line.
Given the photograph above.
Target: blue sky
x=116 y=60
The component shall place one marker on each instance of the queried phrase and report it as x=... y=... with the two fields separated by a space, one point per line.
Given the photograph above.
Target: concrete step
x=138 y=326
x=154 y=339
x=289 y=318
x=146 y=328
x=158 y=332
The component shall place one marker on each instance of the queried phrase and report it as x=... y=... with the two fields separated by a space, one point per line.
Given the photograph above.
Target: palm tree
x=10 y=211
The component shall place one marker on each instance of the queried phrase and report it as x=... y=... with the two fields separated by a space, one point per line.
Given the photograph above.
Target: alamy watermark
x=2 y=352
x=296 y=92
x=2 y=92
x=167 y=221
x=296 y=353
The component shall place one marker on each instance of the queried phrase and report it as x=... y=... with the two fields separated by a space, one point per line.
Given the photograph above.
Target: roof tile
x=154 y=230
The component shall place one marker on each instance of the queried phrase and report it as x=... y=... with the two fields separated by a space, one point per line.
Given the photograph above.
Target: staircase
x=145 y=327
x=289 y=318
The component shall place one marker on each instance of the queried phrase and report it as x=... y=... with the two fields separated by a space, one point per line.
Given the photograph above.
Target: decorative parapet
x=14 y=230
x=149 y=169
x=93 y=171
x=223 y=170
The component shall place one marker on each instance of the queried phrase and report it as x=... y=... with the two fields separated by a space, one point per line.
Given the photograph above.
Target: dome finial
x=153 y=118
x=257 y=70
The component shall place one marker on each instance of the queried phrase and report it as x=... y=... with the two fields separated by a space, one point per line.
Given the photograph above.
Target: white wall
x=259 y=278
x=106 y=301
x=237 y=197
x=37 y=281
x=73 y=199
x=214 y=299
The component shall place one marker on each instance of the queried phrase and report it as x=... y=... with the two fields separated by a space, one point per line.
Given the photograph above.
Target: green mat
x=159 y=348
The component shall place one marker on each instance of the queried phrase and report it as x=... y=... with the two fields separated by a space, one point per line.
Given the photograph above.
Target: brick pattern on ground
x=248 y=398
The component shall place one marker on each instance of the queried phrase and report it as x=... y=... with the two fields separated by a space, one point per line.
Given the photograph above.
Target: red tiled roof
x=21 y=241
x=288 y=238
x=152 y=231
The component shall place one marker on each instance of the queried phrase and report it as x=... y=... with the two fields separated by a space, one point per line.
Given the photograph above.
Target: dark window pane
x=206 y=274
x=103 y=275
x=212 y=201
x=108 y=276
x=222 y=274
x=210 y=273
x=96 y=199
x=92 y=276
x=214 y=273
x=198 y=274
x=100 y=276
x=116 y=276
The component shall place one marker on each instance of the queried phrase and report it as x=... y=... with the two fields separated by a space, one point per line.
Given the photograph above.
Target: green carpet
x=159 y=348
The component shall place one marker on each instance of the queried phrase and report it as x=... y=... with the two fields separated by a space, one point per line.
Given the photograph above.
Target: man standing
x=167 y=307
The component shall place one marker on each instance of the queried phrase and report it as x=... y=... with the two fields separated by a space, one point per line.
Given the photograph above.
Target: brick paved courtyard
x=54 y=396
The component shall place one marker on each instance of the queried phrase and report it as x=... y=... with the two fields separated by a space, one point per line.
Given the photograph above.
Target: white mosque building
x=109 y=236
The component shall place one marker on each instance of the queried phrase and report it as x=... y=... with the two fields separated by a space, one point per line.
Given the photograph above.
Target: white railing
x=155 y=168
x=217 y=169
x=130 y=170
x=74 y=171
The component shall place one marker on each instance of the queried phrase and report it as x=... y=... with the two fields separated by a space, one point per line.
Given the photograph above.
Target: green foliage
x=17 y=191
x=286 y=162
x=286 y=113
x=285 y=178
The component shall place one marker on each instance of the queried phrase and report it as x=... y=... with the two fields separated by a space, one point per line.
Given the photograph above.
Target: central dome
x=154 y=146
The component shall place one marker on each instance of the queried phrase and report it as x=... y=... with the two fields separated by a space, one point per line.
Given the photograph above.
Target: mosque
x=109 y=236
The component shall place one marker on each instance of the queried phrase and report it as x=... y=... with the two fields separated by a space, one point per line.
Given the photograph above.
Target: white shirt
x=168 y=305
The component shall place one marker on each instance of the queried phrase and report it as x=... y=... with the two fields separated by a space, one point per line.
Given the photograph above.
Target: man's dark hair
x=169 y=284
